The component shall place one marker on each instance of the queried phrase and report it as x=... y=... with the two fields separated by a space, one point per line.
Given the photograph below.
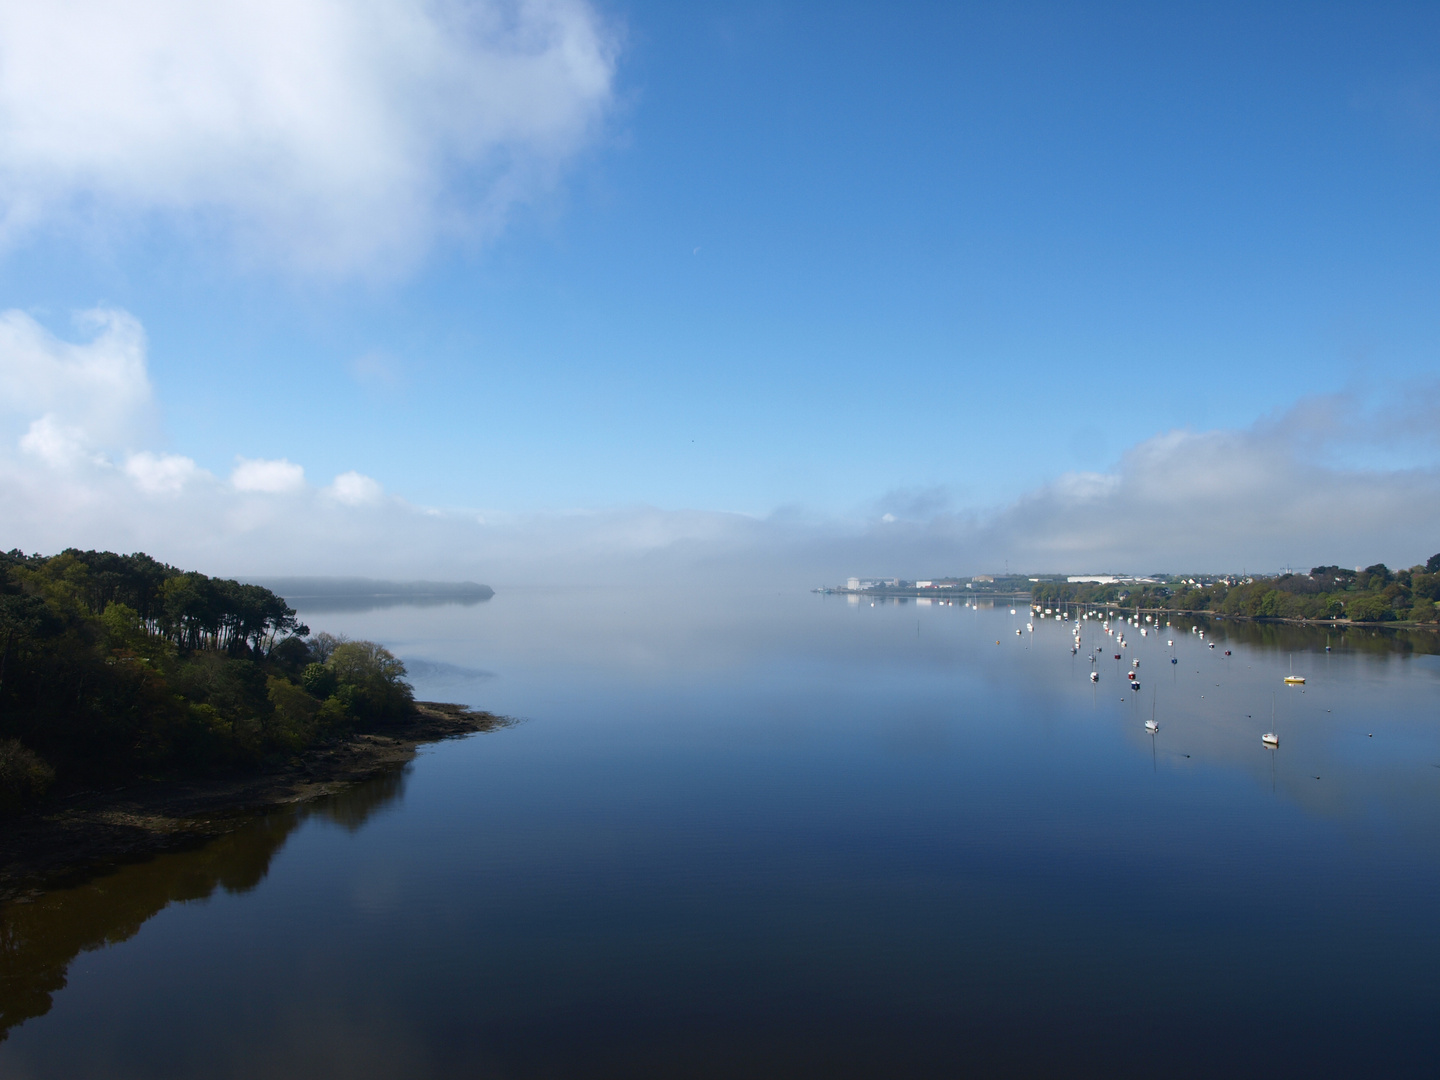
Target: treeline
x=1375 y=594
x=119 y=665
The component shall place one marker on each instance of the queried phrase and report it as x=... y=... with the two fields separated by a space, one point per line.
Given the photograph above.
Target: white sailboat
x=1271 y=739
x=1293 y=679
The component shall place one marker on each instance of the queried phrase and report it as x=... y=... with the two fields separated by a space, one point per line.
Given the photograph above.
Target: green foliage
x=1369 y=608
x=112 y=665
x=24 y=776
x=1375 y=594
x=374 y=680
x=292 y=713
x=319 y=680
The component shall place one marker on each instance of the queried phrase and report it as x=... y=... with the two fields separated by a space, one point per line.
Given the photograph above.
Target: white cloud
x=336 y=136
x=1257 y=497
x=97 y=392
x=57 y=445
x=162 y=474
x=277 y=477
x=1285 y=489
x=354 y=489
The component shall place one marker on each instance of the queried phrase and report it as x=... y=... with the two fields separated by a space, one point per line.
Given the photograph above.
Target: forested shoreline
x=118 y=666
x=1375 y=594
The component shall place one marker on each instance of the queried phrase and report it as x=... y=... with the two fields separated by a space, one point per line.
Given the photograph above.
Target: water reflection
x=760 y=834
x=327 y=595
x=1293 y=637
x=329 y=605
x=40 y=938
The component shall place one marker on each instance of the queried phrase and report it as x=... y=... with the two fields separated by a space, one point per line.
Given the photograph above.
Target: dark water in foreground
x=765 y=835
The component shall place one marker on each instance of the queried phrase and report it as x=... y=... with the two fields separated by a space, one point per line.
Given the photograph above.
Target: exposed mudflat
x=68 y=840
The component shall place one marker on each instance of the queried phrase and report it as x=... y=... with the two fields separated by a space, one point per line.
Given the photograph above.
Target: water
x=786 y=835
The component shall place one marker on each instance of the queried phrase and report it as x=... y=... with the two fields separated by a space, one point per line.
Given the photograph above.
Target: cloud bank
x=75 y=470
x=334 y=136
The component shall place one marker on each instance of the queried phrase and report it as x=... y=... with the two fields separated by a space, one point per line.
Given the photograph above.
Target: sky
x=534 y=290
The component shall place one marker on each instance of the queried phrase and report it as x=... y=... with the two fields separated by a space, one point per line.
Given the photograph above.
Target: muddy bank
x=70 y=839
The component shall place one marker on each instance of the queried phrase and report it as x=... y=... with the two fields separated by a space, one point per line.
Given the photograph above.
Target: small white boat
x=1271 y=739
x=1152 y=726
x=1094 y=676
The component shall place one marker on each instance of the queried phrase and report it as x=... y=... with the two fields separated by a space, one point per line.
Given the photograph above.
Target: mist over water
x=761 y=833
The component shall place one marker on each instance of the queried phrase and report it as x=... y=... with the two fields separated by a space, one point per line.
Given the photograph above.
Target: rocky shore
x=72 y=838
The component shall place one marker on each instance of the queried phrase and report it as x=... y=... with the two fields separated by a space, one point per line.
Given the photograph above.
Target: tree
x=371 y=679
x=1369 y=608
x=114 y=663
x=1432 y=564
x=20 y=617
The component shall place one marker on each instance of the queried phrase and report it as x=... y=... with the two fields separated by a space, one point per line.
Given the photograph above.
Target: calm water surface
x=786 y=835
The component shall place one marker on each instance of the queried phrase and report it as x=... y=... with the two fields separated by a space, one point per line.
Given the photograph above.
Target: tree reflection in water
x=1390 y=642
x=39 y=938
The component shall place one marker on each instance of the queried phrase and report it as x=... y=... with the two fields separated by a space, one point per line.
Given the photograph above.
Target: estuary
x=781 y=834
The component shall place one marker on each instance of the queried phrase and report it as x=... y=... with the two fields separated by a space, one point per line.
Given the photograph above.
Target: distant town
x=1000 y=584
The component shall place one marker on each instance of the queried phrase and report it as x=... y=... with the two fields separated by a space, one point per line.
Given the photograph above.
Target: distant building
x=852 y=583
x=984 y=577
x=1109 y=579
x=924 y=585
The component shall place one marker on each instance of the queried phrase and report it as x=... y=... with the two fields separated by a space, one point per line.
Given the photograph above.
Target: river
x=782 y=834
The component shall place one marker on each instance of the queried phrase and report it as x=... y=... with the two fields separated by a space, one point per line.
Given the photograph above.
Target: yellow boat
x=1294 y=678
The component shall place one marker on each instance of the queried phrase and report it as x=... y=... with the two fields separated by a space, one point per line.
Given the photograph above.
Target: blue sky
x=826 y=260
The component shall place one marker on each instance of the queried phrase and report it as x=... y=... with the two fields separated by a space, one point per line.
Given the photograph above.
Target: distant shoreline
x=69 y=839
x=967 y=596
x=926 y=594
